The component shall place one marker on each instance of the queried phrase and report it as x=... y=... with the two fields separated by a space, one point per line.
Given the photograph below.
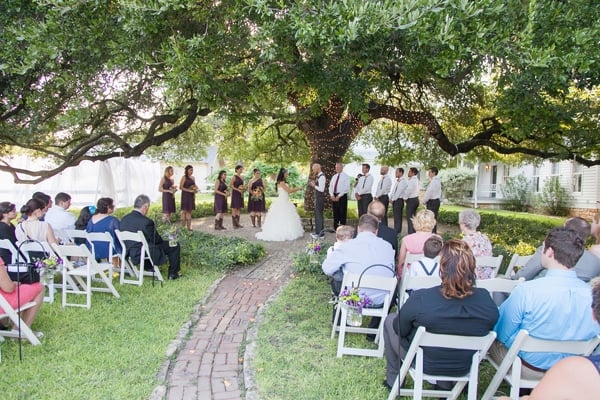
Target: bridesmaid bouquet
x=257 y=194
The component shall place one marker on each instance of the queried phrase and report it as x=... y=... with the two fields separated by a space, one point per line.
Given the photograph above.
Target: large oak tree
x=94 y=80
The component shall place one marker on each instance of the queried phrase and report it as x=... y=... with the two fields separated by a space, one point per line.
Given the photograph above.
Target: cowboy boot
x=217 y=227
x=253 y=218
x=221 y=227
x=237 y=219
x=259 y=218
x=234 y=222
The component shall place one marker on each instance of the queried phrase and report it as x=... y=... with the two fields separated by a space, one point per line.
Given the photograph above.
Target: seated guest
x=553 y=307
x=377 y=209
x=58 y=217
x=160 y=250
x=82 y=220
x=24 y=294
x=595 y=248
x=343 y=233
x=572 y=378
x=359 y=253
x=46 y=199
x=8 y=212
x=587 y=267
x=480 y=244
x=423 y=224
x=456 y=307
x=103 y=221
x=32 y=227
x=428 y=266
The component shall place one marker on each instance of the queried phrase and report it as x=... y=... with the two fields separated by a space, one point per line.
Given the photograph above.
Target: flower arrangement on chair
x=354 y=301
x=313 y=248
x=47 y=267
x=173 y=235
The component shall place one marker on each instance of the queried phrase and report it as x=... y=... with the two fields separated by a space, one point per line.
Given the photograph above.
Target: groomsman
x=433 y=194
x=397 y=199
x=383 y=188
x=339 y=187
x=363 y=190
x=412 y=197
x=319 y=185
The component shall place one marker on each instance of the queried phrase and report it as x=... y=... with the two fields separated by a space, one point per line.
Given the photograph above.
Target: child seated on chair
x=427 y=266
x=343 y=233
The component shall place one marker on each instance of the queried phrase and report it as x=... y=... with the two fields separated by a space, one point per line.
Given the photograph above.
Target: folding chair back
x=510 y=367
x=415 y=283
x=103 y=239
x=128 y=267
x=501 y=285
x=386 y=284
x=32 y=249
x=422 y=338
x=74 y=234
x=411 y=258
x=493 y=262
x=81 y=266
x=517 y=261
x=9 y=247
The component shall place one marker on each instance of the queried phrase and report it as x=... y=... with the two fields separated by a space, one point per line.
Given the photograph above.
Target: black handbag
x=23 y=271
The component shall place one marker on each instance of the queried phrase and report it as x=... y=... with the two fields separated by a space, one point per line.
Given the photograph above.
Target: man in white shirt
x=433 y=194
x=58 y=217
x=363 y=190
x=383 y=188
x=411 y=197
x=397 y=199
x=357 y=254
x=339 y=187
x=319 y=185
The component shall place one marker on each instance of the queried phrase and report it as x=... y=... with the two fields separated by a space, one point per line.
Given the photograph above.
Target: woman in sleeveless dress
x=167 y=188
x=282 y=221
x=237 y=196
x=188 y=196
x=256 y=198
x=220 y=205
x=104 y=221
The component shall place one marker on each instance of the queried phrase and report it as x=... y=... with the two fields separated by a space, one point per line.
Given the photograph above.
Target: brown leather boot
x=234 y=222
x=259 y=220
x=253 y=219
x=237 y=220
x=221 y=227
x=217 y=226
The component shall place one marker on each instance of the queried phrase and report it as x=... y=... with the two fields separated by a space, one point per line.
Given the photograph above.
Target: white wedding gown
x=282 y=221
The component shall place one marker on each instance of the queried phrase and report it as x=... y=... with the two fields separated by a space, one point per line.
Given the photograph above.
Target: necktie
x=364 y=181
x=336 y=182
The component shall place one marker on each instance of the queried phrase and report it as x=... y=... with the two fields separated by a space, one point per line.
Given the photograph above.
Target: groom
x=319 y=184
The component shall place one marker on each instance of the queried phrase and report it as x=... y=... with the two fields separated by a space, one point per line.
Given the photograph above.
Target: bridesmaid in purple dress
x=167 y=188
x=237 y=196
x=188 y=196
x=221 y=194
x=256 y=198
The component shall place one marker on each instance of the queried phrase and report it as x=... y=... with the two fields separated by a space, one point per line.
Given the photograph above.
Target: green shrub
x=303 y=263
x=220 y=252
x=516 y=193
x=554 y=198
x=456 y=182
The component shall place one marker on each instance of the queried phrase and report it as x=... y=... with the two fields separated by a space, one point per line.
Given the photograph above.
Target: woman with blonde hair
x=168 y=188
x=423 y=222
x=456 y=307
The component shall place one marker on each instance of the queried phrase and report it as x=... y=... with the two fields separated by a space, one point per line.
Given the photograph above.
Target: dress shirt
x=357 y=254
x=399 y=191
x=556 y=307
x=343 y=184
x=434 y=190
x=587 y=267
x=364 y=185
x=320 y=182
x=60 y=219
x=412 y=188
x=384 y=186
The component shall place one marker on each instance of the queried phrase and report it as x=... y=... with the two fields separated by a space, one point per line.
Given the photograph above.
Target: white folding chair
x=517 y=261
x=493 y=262
x=415 y=283
x=14 y=316
x=129 y=267
x=7 y=245
x=510 y=367
x=385 y=284
x=30 y=247
x=80 y=264
x=422 y=338
x=501 y=285
x=96 y=238
x=76 y=234
x=411 y=258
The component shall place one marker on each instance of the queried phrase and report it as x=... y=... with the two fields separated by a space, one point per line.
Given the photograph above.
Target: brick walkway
x=208 y=359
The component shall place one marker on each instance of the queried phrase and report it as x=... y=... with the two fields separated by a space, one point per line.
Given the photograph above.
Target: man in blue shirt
x=556 y=306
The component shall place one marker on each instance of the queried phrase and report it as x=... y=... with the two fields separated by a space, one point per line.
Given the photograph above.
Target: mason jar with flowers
x=47 y=267
x=354 y=301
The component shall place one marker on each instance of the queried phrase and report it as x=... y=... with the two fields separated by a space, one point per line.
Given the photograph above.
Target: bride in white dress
x=282 y=221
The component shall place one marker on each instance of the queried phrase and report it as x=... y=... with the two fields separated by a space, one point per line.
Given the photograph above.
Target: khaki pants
x=497 y=353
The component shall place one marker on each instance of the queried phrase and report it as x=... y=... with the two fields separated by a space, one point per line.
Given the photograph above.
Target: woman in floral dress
x=478 y=242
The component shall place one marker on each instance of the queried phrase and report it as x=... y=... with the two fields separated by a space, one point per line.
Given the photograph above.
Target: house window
x=555 y=168
x=577 y=177
x=506 y=174
x=536 y=179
